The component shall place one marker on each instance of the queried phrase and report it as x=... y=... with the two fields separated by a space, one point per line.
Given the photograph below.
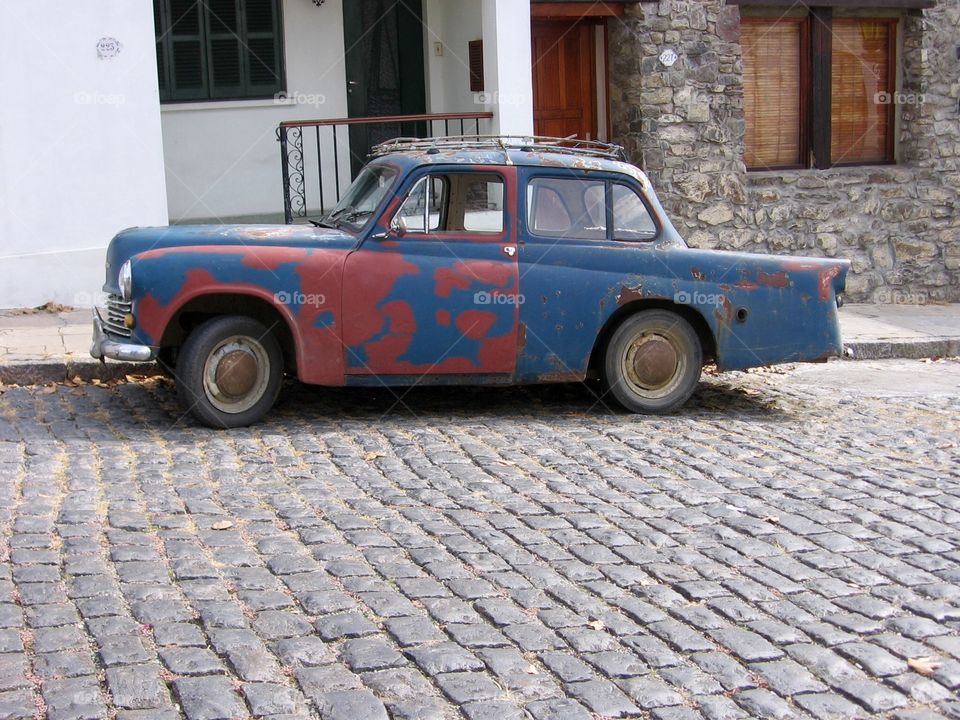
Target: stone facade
x=684 y=124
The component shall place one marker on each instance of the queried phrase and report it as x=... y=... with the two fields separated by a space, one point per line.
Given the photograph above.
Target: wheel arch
x=708 y=344
x=201 y=308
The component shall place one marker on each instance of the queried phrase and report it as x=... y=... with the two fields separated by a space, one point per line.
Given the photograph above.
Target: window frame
x=164 y=37
x=443 y=175
x=608 y=182
x=816 y=85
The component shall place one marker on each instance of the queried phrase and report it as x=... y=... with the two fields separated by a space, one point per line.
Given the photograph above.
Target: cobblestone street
x=786 y=546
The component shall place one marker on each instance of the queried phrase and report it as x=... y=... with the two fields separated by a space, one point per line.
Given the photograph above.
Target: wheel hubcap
x=654 y=361
x=653 y=365
x=236 y=374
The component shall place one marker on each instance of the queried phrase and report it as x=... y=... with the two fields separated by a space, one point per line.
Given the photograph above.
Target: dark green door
x=385 y=74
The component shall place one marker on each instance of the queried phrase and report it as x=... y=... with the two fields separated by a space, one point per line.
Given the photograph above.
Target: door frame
x=411 y=70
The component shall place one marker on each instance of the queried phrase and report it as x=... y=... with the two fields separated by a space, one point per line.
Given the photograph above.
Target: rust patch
x=724 y=312
x=698 y=274
x=777 y=279
x=746 y=285
x=629 y=295
x=521 y=337
x=825 y=277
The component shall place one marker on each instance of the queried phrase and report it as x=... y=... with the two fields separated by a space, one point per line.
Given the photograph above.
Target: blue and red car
x=461 y=261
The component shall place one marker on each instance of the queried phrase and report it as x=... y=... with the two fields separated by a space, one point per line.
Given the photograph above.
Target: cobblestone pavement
x=787 y=546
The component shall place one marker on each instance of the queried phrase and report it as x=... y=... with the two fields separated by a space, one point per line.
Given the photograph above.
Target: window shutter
x=218 y=49
x=861 y=125
x=263 y=54
x=773 y=91
x=476 y=65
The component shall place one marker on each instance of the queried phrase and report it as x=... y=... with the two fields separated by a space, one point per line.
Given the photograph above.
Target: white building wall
x=222 y=158
x=80 y=144
x=453 y=23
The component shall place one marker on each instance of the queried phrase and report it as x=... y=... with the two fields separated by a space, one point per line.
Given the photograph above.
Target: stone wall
x=684 y=125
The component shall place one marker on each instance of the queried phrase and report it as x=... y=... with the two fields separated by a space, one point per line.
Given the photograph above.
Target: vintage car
x=461 y=261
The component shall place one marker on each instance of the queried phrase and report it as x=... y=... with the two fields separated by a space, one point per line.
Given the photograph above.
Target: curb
x=909 y=350
x=44 y=373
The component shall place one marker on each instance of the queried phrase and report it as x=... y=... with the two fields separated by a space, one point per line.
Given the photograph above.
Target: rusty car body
x=483 y=260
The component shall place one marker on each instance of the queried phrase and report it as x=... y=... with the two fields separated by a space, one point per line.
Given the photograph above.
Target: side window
x=482 y=203
x=631 y=219
x=568 y=208
x=453 y=203
x=422 y=210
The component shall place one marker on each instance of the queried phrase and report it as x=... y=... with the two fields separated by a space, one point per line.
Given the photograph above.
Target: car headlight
x=125 y=281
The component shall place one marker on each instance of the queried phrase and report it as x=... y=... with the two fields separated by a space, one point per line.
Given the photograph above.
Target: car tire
x=229 y=372
x=652 y=362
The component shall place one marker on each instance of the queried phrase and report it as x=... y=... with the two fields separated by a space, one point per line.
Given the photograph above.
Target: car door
x=583 y=233
x=434 y=288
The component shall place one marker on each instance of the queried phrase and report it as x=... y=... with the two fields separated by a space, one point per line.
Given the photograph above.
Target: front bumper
x=104 y=346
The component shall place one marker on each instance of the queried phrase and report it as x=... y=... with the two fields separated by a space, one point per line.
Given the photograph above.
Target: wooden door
x=564 y=78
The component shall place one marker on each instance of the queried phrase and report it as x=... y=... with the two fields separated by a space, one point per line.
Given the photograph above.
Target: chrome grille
x=113 y=320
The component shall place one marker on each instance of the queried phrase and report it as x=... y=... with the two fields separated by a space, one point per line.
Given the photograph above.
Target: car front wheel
x=229 y=372
x=653 y=361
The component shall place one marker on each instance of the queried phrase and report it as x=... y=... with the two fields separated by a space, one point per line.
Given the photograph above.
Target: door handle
x=510 y=250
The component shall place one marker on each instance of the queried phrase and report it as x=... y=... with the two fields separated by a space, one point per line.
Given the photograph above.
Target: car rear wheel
x=653 y=361
x=229 y=372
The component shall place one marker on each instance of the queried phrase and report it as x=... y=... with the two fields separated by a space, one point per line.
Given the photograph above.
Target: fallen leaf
x=532 y=669
x=373 y=456
x=597 y=625
x=222 y=525
x=924 y=665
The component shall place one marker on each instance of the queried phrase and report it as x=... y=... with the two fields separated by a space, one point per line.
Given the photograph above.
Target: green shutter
x=218 y=49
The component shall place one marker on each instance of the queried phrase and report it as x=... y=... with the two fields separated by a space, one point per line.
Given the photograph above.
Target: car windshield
x=356 y=208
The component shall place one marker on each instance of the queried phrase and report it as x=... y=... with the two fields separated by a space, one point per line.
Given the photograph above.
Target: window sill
x=875 y=174
x=173 y=107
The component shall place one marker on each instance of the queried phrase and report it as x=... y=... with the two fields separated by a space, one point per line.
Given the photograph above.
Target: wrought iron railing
x=309 y=191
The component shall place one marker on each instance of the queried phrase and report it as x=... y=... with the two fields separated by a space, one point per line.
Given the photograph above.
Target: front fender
x=301 y=285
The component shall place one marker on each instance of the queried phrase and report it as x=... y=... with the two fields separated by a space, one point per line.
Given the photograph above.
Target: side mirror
x=398 y=226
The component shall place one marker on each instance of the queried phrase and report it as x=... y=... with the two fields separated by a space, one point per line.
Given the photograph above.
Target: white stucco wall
x=222 y=158
x=454 y=23
x=80 y=143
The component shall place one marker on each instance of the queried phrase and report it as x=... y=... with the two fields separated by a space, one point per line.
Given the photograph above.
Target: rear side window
x=579 y=209
x=567 y=208
x=631 y=219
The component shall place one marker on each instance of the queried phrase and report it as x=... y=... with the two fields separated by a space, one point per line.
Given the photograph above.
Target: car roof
x=503 y=150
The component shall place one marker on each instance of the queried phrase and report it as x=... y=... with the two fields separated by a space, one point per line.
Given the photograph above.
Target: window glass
x=482 y=203
x=860 y=104
x=631 y=219
x=772 y=91
x=421 y=211
x=567 y=208
x=453 y=203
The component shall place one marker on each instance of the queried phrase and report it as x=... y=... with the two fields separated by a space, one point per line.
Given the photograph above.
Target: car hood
x=132 y=241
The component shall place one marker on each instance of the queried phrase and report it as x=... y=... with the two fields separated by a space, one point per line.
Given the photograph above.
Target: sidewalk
x=43 y=347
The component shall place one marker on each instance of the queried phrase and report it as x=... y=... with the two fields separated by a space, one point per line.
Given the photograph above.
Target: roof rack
x=524 y=143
